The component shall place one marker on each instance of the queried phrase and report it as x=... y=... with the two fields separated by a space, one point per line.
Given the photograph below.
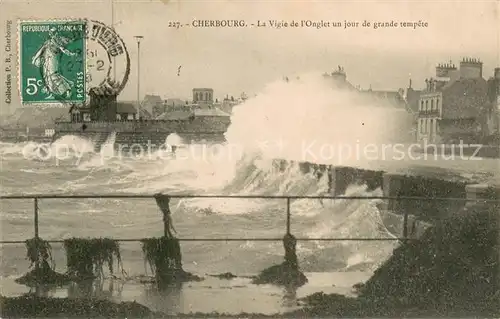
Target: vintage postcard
x=165 y=158
x=44 y=72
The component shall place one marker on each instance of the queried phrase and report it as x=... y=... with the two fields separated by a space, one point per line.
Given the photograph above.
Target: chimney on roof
x=444 y=70
x=471 y=68
x=339 y=74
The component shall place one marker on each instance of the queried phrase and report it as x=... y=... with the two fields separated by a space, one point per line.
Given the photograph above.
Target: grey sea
x=330 y=266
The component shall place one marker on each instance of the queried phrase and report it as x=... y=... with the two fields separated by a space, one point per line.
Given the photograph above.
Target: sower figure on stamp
x=47 y=58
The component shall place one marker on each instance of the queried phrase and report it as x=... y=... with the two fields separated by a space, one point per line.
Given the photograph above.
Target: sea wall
x=339 y=177
x=479 y=192
x=342 y=176
x=98 y=138
x=305 y=167
x=18 y=135
x=441 y=193
x=148 y=134
x=476 y=151
x=24 y=138
x=402 y=185
x=205 y=124
x=134 y=142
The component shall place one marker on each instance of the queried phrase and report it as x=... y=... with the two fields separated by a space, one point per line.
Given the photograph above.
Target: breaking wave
x=250 y=175
x=307 y=120
x=292 y=111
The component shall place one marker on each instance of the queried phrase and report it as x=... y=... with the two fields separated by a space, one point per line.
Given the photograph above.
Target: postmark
x=108 y=61
x=47 y=48
x=61 y=61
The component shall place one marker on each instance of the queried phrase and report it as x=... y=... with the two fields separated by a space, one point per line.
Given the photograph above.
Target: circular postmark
x=107 y=59
x=76 y=57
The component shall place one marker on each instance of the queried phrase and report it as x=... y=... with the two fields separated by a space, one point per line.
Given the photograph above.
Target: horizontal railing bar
x=6 y=242
x=137 y=196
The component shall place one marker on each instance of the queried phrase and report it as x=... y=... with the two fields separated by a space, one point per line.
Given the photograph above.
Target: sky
x=235 y=60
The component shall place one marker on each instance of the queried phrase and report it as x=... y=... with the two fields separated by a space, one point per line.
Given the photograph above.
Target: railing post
x=37 y=264
x=163 y=203
x=36 y=217
x=288 y=215
x=405 y=225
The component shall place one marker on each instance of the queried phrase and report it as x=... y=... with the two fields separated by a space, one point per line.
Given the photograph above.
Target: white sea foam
x=306 y=110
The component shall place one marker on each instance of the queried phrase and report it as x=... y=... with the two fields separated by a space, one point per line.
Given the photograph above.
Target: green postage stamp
x=52 y=61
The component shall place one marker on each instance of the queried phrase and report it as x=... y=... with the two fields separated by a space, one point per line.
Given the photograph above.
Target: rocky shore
x=452 y=270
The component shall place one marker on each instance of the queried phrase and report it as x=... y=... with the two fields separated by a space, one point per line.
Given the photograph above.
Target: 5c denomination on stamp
x=61 y=61
x=52 y=61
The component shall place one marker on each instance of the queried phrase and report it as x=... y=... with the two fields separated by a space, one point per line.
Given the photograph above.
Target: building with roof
x=210 y=113
x=453 y=106
x=145 y=115
x=126 y=105
x=126 y=111
x=168 y=105
x=148 y=105
x=177 y=115
x=338 y=79
x=103 y=108
x=386 y=98
x=493 y=110
x=203 y=96
x=228 y=104
x=104 y=117
x=202 y=105
x=412 y=97
x=182 y=115
x=174 y=103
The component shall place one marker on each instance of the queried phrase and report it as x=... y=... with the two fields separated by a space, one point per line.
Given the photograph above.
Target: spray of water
x=309 y=120
x=174 y=139
x=294 y=114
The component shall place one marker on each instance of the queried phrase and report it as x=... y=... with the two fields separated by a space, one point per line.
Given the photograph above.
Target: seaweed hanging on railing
x=164 y=254
x=39 y=253
x=287 y=273
x=86 y=257
x=163 y=257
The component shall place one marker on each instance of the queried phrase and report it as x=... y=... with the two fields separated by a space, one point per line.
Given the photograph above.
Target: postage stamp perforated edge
x=61 y=20
x=20 y=21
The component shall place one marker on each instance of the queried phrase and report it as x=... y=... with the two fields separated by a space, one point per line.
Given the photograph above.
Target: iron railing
x=288 y=198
